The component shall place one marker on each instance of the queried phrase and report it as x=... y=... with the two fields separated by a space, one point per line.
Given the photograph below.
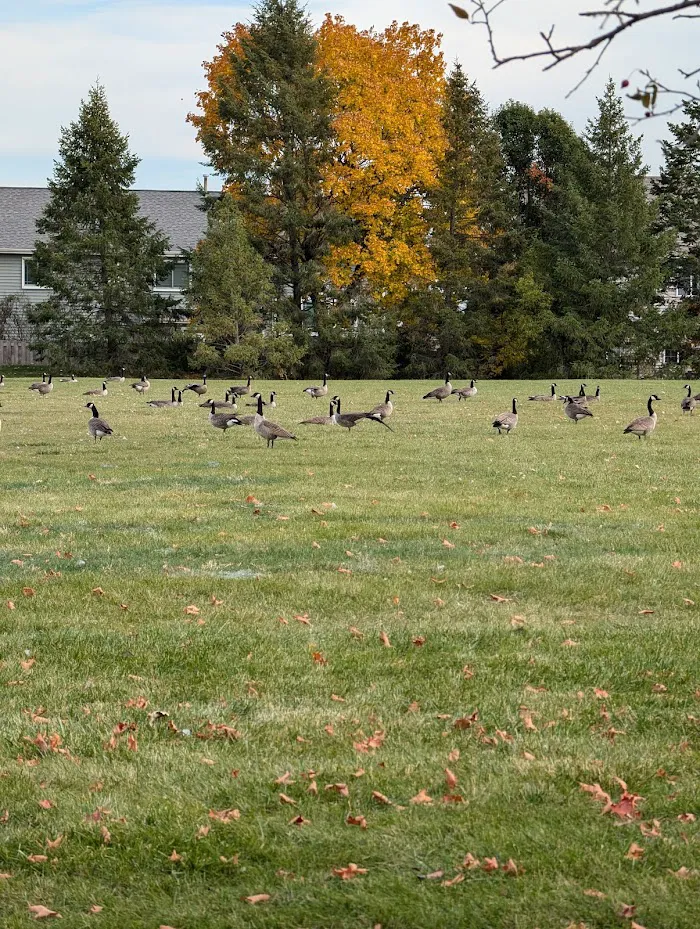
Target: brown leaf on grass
x=349 y=872
x=341 y=789
x=466 y=722
x=37 y=859
x=39 y=911
x=526 y=717
x=131 y=742
x=470 y=863
x=356 y=821
x=54 y=843
x=384 y=639
x=288 y=800
x=450 y=779
x=510 y=867
x=457 y=879
x=684 y=873
x=419 y=640
x=686 y=818
x=490 y=864
x=98 y=592
x=635 y=852
x=256 y=898
x=600 y=694
x=434 y=875
x=302 y=618
x=627 y=910
x=5 y=875
x=202 y=832
x=595 y=893
x=413 y=707
x=651 y=830
x=299 y=821
x=337 y=699
x=659 y=689
x=342 y=570
x=454 y=755
x=570 y=643
x=634 y=925
x=355 y=632
x=453 y=798
x=138 y=703
x=528 y=756
x=106 y=835
x=596 y=791
x=28 y=591
x=10 y=605
x=173 y=856
x=319 y=658
x=421 y=798
x=95 y=908
x=46 y=804
x=329 y=730
x=285 y=778
x=224 y=816
x=251 y=499
x=646 y=612
x=498 y=599
x=626 y=806
x=380 y=798
x=191 y=610
x=447 y=543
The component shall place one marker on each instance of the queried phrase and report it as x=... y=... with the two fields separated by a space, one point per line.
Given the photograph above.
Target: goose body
x=545 y=398
x=464 y=393
x=241 y=391
x=268 y=430
x=383 y=410
x=66 y=380
x=321 y=420
x=272 y=403
x=644 y=425
x=159 y=404
x=689 y=402
x=199 y=389
x=45 y=388
x=222 y=421
x=98 y=428
x=592 y=398
x=97 y=392
x=142 y=386
x=117 y=378
x=574 y=410
x=225 y=404
x=350 y=420
x=506 y=422
x=37 y=384
x=316 y=392
x=440 y=393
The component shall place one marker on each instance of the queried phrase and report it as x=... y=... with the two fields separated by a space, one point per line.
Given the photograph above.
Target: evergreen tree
x=99 y=256
x=277 y=106
x=231 y=296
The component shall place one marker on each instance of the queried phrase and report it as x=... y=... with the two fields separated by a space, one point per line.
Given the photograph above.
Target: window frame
x=25 y=286
x=172 y=289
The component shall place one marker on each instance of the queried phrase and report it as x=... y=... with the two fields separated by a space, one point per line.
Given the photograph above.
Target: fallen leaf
x=498 y=599
x=256 y=898
x=349 y=872
x=5 y=875
x=173 y=856
x=570 y=643
x=380 y=798
x=450 y=779
x=191 y=610
x=356 y=634
x=37 y=859
x=490 y=864
x=686 y=817
x=95 y=908
x=596 y=792
x=470 y=862
x=510 y=867
x=645 y=612
x=39 y=911
x=106 y=835
x=447 y=543
x=356 y=821
x=421 y=798
x=341 y=789
x=28 y=591
x=46 y=804
x=54 y=843
x=627 y=910
x=384 y=639
x=596 y=893
x=299 y=821
x=457 y=879
x=288 y=800
x=635 y=852
x=223 y=816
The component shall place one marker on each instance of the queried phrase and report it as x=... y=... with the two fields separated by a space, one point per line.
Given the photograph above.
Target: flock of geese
x=224 y=414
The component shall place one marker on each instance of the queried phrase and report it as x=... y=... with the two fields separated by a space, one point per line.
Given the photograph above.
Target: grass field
x=323 y=625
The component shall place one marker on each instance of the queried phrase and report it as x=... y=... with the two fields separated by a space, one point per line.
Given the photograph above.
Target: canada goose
x=222 y=420
x=506 y=422
x=316 y=392
x=199 y=389
x=241 y=391
x=321 y=420
x=268 y=430
x=2 y=381
x=272 y=403
x=545 y=398
x=383 y=410
x=224 y=404
x=97 y=392
x=142 y=386
x=440 y=393
x=67 y=380
x=574 y=410
x=178 y=402
x=593 y=397
x=117 y=378
x=688 y=403
x=350 y=420
x=97 y=427
x=158 y=404
x=464 y=393
x=644 y=425
x=36 y=384
x=46 y=388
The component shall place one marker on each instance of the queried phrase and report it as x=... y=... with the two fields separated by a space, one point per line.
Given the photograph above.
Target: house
x=176 y=213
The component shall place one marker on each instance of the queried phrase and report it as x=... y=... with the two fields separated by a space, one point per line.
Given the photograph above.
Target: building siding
x=11 y=280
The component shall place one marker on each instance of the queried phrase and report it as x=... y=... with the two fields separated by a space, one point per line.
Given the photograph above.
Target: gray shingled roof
x=175 y=212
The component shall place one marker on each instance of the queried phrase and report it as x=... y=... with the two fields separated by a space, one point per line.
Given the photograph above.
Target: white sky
x=148 y=54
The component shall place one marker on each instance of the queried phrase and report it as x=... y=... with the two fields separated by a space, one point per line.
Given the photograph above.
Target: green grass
x=578 y=527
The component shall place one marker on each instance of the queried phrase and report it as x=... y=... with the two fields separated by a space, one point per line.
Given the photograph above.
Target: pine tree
x=231 y=296
x=99 y=256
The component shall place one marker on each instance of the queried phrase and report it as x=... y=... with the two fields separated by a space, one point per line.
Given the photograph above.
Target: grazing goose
x=464 y=393
x=574 y=410
x=46 y=388
x=37 y=384
x=68 y=380
x=97 y=392
x=222 y=421
x=241 y=391
x=506 y=422
x=688 y=403
x=199 y=389
x=316 y=392
x=268 y=430
x=644 y=425
x=350 y=420
x=117 y=378
x=159 y=404
x=440 y=393
x=545 y=398
x=97 y=427
x=142 y=386
x=383 y=410
x=321 y=420
x=224 y=404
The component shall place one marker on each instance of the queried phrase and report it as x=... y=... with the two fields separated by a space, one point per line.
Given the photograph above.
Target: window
x=29 y=274
x=175 y=279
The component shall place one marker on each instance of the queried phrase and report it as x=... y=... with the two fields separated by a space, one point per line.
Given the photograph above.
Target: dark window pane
x=30 y=278
x=180 y=276
x=166 y=280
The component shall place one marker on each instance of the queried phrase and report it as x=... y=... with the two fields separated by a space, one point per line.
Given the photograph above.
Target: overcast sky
x=148 y=55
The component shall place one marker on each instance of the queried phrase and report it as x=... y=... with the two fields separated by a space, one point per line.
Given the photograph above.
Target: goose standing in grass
x=241 y=390
x=321 y=420
x=545 y=398
x=440 y=393
x=272 y=403
x=46 y=388
x=37 y=384
x=68 y=380
x=225 y=404
x=506 y=422
x=574 y=410
x=644 y=425
x=383 y=410
x=689 y=402
x=199 y=389
x=222 y=421
x=142 y=386
x=97 y=392
x=2 y=381
x=98 y=428
x=316 y=392
x=464 y=393
x=159 y=404
x=268 y=430
x=350 y=420
x=117 y=378
x=593 y=398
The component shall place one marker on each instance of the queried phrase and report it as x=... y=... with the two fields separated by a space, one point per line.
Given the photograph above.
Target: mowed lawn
x=405 y=651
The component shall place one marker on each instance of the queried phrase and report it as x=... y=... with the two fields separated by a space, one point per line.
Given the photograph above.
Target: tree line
x=377 y=220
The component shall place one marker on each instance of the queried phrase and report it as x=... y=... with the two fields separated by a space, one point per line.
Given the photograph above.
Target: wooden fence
x=14 y=352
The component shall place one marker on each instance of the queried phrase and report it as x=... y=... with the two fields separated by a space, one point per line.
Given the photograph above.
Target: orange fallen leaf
x=191 y=610
x=46 y=804
x=5 y=875
x=285 y=799
x=380 y=798
x=419 y=640
x=466 y=722
x=37 y=859
x=299 y=821
x=421 y=798
x=10 y=605
x=54 y=843
x=28 y=591
x=596 y=792
x=95 y=908
x=570 y=643
x=173 y=856
x=106 y=835
x=450 y=779
x=646 y=612
x=595 y=893
x=384 y=639
x=349 y=872
x=356 y=634
x=356 y=821
x=341 y=789
x=319 y=658
x=285 y=778
x=497 y=598
x=39 y=911
x=223 y=816
x=256 y=898
x=470 y=862
x=457 y=879
x=510 y=867
x=131 y=743
x=686 y=817
x=490 y=864
x=447 y=543
x=635 y=852
x=454 y=755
